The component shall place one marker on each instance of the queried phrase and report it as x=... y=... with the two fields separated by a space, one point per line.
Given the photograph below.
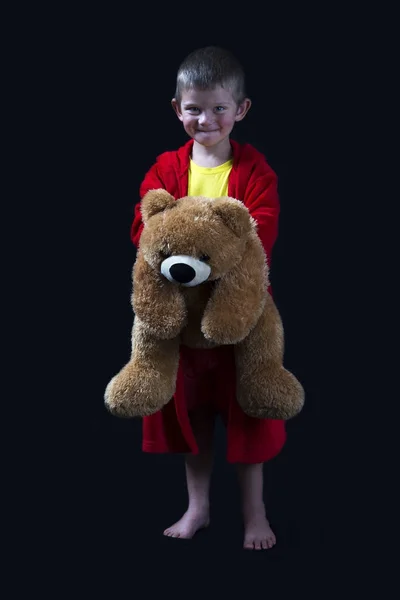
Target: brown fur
x=231 y=307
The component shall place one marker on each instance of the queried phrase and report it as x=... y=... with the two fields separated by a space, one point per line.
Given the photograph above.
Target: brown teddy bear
x=201 y=279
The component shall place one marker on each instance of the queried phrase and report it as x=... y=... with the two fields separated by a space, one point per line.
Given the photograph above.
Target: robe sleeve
x=262 y=201
x=151 y=181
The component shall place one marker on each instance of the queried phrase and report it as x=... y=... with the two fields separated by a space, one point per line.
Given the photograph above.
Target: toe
x=265 y=544
x=257 y=545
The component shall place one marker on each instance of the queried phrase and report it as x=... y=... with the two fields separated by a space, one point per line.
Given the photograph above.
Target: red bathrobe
x=249 y=440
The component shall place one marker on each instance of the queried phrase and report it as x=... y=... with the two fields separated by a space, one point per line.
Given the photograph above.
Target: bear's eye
x=204 y=258
x=164 y=254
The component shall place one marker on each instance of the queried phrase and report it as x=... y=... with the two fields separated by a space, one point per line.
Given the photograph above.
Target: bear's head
x=193 y=239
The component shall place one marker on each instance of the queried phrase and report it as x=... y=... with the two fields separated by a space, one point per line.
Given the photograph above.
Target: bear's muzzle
x=185 y=270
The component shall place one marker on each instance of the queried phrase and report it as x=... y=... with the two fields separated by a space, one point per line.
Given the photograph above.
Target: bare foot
x=186 y=527
x=258 y=534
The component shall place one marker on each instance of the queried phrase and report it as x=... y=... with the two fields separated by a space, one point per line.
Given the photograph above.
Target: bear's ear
x=155 y=201
x=234 y=215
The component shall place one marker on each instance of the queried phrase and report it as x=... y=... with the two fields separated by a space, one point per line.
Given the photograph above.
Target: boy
x=210 y=98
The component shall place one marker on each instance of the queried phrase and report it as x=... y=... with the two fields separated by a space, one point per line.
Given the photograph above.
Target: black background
x=104 y=82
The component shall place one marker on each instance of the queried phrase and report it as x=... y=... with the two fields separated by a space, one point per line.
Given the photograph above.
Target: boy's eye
x=192 y=109
x=219 y=108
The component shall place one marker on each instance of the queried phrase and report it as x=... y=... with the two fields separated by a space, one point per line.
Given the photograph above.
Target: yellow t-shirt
x=211 y=182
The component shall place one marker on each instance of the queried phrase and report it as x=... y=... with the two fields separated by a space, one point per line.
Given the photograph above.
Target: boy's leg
x=258 y=534
x=198 y=475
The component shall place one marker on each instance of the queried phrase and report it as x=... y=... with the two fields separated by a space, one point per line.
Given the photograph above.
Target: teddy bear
x=201 y=279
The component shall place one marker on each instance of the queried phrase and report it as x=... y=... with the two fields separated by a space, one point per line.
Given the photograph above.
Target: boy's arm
x=151 y=181
x=262 y=201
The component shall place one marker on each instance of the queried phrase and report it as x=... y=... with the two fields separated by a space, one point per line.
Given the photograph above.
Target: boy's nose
x=205 y=117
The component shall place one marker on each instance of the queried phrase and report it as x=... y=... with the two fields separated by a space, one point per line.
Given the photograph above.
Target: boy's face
x=208 y=116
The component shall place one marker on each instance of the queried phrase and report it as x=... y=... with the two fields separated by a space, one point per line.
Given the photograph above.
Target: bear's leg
x=147 y=382
x=265 y=389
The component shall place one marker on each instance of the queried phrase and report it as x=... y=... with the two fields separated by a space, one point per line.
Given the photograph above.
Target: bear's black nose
x=182 y=273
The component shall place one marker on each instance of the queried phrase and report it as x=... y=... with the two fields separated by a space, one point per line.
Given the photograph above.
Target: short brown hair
x=206 y=68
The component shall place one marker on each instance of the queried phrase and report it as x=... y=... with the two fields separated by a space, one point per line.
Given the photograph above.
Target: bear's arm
x=158 y=303
x=238 y=298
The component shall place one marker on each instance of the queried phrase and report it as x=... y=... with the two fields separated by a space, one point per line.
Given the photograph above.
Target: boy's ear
x=243 y=109
x=176 y=107
x=155 y=201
